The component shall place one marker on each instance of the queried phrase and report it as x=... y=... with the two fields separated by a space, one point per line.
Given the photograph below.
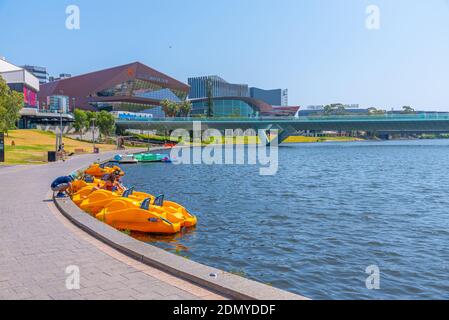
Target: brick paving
x=37 y=244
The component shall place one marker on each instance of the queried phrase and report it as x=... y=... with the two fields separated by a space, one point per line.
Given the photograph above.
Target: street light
x=93 y=133
x=61 y=111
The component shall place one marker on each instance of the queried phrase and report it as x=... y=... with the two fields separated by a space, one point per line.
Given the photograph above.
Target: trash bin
x=96 y=150
x=51 y=156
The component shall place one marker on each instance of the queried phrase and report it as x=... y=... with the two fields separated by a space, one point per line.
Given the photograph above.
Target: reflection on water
x=170 y=243
x=331 y=211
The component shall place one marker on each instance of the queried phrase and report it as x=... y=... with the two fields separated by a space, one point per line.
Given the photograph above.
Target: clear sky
x=320 y=50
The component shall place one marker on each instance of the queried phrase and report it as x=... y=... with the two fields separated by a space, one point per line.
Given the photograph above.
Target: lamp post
x=61 y=111
x=2 y=147
x=93 y=133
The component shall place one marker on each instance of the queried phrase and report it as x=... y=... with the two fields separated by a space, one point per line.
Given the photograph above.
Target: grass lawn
x=31 y=146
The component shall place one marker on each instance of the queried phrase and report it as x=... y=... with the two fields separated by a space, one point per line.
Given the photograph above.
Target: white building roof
x=14 y=74
x=5 y=66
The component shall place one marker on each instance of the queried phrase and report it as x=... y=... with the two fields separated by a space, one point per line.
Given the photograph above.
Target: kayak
x=150 y=157
x=129 y=159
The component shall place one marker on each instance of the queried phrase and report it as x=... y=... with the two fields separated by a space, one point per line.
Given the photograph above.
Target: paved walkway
x=37 y=244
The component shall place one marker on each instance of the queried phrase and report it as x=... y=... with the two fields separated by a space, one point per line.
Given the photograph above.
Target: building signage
x=2 y=147
x=152 y=78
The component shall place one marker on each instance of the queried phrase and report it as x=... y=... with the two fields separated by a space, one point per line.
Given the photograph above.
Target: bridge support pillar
x=283 y=134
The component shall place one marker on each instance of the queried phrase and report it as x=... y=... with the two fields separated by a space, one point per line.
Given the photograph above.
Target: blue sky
x=319 y=49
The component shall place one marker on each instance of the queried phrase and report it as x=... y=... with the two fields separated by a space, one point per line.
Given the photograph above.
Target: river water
x=331 y=211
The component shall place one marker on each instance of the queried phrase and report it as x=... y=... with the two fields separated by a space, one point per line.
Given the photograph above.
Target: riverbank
x=250 y=140
x=31 y=146
x=35 y=260
x=304 y=139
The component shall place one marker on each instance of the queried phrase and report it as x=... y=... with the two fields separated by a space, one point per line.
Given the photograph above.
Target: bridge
x=287 y=126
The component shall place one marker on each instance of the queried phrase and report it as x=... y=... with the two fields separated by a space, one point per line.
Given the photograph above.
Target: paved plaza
x=37 y=245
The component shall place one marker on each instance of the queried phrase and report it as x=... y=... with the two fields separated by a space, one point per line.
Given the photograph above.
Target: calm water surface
x=332 y=210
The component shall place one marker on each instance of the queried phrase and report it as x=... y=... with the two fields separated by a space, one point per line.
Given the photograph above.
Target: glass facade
x=273 y=97
x=142 y=88
x=232 y=108
x=58 y=104
x=38 y=72
x=122 y=106
x=219 y=88
x=159 y=95
x=29 y=95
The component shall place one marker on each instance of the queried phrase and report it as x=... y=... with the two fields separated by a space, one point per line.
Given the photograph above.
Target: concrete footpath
x=37 y=245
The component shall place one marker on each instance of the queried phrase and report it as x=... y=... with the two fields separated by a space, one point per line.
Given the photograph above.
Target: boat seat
x=159 y=200
x=128 y=192
x=145 y=204
x=88 y=179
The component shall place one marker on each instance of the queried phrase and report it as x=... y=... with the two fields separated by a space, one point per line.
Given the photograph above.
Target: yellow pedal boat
x=96 y=170
x=126 y=214
x=127 y=211
x=96 y=200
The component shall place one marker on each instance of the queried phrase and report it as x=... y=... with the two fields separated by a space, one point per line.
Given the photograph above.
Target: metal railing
x=374 y=117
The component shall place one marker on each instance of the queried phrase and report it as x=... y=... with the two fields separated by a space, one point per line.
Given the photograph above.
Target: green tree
x=170 y=108
x=328 y=109
x=165 y=104
x=408 y=110
x=375 y=111
x=81 y=121
x=11 y=102
x=91 y=116
x=105 y=123
x=2 y=117
x=185 y=108
x=340 y=109
x=334 y=109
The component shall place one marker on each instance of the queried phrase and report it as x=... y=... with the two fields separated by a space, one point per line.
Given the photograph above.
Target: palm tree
x=167 y=107
x=170 y=108
x=185 y=108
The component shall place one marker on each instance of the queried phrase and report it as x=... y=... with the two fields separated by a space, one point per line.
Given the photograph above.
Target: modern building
x=38 y=72
x=275 y=97
x=284 y=101
x=285 y=111
x=319 y=112
x=218 y=86
x=23 y=81
x=33 y=118
x=61 y=77
x=64 y=76
x=235 y=107
x=20 y=80
x=321 y=107
x=58 y=103
x=239 y=107
x=132 y=87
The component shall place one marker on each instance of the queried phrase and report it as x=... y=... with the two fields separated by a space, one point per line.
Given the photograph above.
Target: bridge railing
x=385 y=117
